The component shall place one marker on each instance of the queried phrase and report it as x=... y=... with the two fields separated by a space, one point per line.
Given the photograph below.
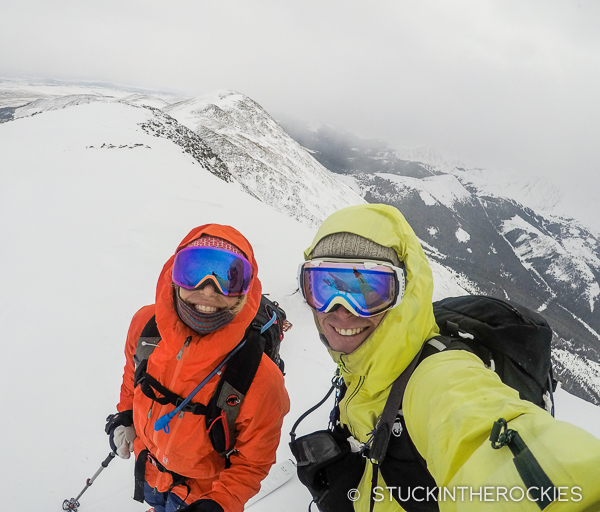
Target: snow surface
x=444 y=189
x=16 y=92
x=536 y=193
x=573 y=260
x=85 y=232
x=462 y=235
x=42 y=105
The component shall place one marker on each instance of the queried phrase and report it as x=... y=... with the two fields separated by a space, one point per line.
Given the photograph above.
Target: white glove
x=123 y=438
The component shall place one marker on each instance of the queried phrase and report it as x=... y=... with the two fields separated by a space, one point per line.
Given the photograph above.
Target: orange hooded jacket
x=187 y=450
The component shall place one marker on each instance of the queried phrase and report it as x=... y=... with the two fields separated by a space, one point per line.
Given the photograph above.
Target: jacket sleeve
x=259 y=431
x=450 y=405
x=138 y=322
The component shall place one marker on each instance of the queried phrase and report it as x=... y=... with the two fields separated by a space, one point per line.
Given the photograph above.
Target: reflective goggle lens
x=230 y=272
x=365 y=288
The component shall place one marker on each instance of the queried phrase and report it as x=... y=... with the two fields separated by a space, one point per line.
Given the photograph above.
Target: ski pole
x=73 y=503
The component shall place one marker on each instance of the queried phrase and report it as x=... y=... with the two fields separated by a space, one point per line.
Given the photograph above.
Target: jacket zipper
x=347 y=400
x=163 y=408
x=185 y=345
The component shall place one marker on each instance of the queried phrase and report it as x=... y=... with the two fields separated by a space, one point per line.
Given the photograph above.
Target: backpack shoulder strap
x=441 y=343
x=224 y=406
x=147 y=341
x=146 y=344
x=380 y=439
x=383 y=429
x=378 y=443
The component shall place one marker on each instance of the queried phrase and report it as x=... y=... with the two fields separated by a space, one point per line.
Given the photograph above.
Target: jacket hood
x=222 y=341
x=398 y=338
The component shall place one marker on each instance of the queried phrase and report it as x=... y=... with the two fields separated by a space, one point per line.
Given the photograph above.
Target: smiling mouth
x=350 y=332
x=205 y=309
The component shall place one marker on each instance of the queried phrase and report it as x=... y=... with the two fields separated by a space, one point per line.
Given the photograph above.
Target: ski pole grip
x=110 y=457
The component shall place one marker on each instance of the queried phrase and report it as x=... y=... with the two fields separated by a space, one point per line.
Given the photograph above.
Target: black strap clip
x=540 y=487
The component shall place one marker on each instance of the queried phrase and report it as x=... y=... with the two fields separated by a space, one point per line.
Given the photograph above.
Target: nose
x=341 y=312
x=208 y=289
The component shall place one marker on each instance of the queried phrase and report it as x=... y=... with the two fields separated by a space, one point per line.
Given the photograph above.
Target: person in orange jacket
x=202 y=313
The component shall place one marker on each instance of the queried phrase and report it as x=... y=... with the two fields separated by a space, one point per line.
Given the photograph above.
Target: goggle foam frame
x=364 y=287
x=230 y=273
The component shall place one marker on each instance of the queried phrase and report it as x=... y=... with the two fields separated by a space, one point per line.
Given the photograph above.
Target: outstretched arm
x=451 y=403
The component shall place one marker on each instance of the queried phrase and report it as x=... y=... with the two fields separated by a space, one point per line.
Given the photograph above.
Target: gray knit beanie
x=349 y=245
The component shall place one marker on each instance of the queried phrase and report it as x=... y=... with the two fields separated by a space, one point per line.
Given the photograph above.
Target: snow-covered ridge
x=160 y=124
x=18 y=92
x=444 y=189
x=569 y=264
x=586 y=372
x=535 y=193
x=263 y=157
x=250 y=146
x=45 y=105
x=430 y=157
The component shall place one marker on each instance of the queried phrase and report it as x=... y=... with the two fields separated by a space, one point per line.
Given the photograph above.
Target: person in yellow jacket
x=440 y=444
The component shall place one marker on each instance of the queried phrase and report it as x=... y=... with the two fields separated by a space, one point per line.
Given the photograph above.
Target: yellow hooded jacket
x=452 y=400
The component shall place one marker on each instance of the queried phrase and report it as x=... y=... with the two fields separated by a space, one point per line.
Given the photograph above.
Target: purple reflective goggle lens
x=365 y=288
x=231 y=273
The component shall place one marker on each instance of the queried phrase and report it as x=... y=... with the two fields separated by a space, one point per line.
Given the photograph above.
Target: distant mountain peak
x=263 y=157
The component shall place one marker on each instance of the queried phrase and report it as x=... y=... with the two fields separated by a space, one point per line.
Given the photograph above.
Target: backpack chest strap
x=151 y=386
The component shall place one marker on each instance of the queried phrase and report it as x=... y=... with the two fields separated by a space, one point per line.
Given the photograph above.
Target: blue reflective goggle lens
x=364 y=288
x=229 y=272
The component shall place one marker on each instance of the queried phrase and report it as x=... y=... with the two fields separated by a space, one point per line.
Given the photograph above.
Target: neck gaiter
x=202 y=323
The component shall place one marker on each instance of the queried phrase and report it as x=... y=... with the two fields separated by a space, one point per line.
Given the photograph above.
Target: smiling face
x=207 y=300
x=344 y=331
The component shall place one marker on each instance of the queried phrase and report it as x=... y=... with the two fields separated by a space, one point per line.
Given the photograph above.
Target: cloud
x=502 y=83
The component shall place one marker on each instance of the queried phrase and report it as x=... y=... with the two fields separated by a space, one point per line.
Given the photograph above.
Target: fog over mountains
x=483 y=234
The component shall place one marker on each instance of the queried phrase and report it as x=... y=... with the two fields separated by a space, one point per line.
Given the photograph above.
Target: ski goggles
x=365 y=288
x=229 y=272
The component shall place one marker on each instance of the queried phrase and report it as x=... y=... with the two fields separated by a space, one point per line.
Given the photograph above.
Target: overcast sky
x=509 y=84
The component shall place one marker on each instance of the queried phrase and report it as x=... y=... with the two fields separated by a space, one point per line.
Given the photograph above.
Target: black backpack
x=510 y=339
x=223 y=408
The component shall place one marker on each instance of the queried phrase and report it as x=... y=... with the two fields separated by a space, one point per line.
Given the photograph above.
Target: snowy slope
x=92 y=203
x=535 y=193
x=18 y=92
x=263 y=157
